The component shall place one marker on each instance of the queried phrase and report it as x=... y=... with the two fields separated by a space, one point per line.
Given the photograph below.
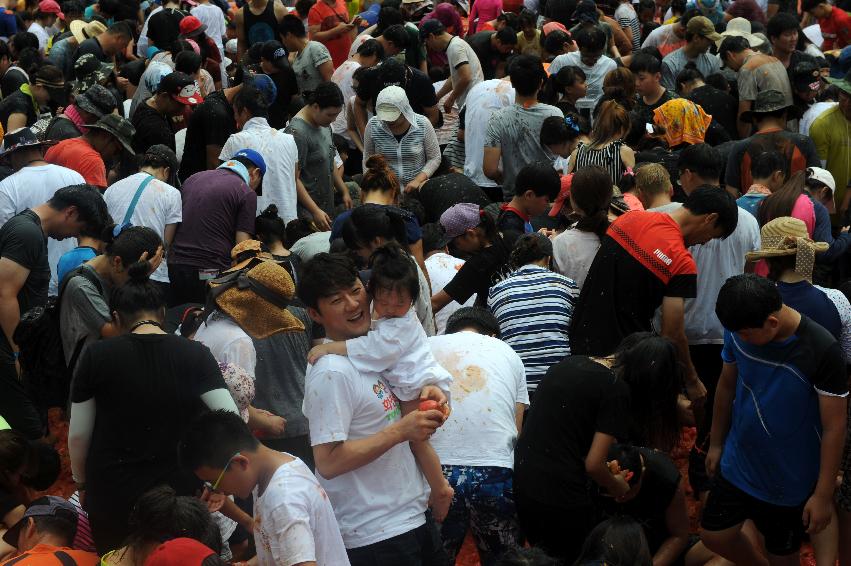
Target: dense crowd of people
x=333 y=283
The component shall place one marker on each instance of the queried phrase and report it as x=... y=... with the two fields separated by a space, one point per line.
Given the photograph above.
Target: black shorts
x=729 y=506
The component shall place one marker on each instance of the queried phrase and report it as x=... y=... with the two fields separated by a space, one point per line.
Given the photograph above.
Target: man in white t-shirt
x=590 y=58
x=359 y=437
x=441 y=267
x=476 y=445
x=465 y=70
x=293 y=520
x=159 y=206
x=482 y=101
x=34 y=182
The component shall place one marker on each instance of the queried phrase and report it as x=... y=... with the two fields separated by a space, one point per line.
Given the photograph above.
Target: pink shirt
x=484 y=11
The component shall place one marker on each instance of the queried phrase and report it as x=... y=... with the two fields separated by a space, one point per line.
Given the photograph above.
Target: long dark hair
x=591 y=189
x=617 y=541
x=648 y=363
x=370 y=221
x=782 y=201
x=139 y=294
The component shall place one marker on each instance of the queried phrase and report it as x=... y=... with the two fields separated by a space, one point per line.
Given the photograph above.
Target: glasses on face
x=214 y=487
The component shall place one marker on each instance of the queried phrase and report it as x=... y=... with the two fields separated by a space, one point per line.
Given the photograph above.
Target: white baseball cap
x=823 y=176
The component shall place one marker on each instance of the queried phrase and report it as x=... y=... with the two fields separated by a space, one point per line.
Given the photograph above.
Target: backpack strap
x=136 y=197
x=79 y=271
x=64 y=558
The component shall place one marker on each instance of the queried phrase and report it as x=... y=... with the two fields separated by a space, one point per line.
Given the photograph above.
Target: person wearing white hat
x=416 y=155
x=740 y=27
x=820 y=186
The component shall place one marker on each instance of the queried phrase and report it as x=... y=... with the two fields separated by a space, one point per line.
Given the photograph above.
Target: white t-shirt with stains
x=488 y=381
x=294 y=521
x=386 y=497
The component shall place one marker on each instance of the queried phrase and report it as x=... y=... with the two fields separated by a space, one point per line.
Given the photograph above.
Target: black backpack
x=43 y=368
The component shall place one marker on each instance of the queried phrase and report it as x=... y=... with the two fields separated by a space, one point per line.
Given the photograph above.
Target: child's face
x=235 y=479
x=391 y=303
x=529 y=31
x=763 y=335
x=535 y=205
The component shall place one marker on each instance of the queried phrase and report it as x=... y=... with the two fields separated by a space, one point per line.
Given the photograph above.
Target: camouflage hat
x=119 y=127
x=89 y=71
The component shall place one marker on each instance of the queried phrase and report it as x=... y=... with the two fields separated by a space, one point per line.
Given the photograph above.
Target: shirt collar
x=256 y=124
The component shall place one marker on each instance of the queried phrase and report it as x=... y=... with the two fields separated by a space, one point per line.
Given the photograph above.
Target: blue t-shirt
x=412 y=227
x=772 y=451
x=74 y=258
x=8 y=23
x=751 y=202
x=809 y=300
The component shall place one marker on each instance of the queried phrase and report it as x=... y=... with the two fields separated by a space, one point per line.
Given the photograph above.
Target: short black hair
x=689 y=73
x=44 y=467
x=370 y=48
x=807 y=5
x=540 y=178
x=396 y=35
x=555 y=40
x=628 y=458
x=388 y=16
x=709 y=199
x=781 y=22
x=506 y=36
x=24 y=39
x=62 y=524
x=187 y=62
x=746 y=301
x=326 y=95
x=292 y=24
x=527 y=18
x=213 y=438
x=645 y=63
x=479 y=318
x=732 y=44
x=251 y=99
x=91 y=208
x=511 y=19
x=701 y=159
x=526 y=73
x=591 y=38
x=324 y=275
x=121 y=29
x=393 y=270
x=766 y=163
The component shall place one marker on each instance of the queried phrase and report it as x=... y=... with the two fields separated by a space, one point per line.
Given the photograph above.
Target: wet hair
x=187 y=62
x=766 y=163
x=650 y=365
x=780 y=23
x=527 y=557
x=213 y=438
x=269 y=227
x=619 y=540
x=591 y=189
x=479 y=318
x=688 y=74
x=732 y=44
x=782 y=201
x=366 y=223
x=539 y=177
x=160 y=515
x=87 y=199
x=397 y=35
x=529 y=248
x=507 y=36
x=643 y=62
x=131 y=243
x=554 y=41
x=379 y=176
x=526 y=73
x=120 y=29
x=24 y=40
x=591 y=38
x=746 y=301
x=62 y=523
x=139 y=294
x=653 y=179
x=393 y=270
x=253 y=100
x=324 y=275
x=325 y=95
x=292 y=24
x=701 y=159
x=556 y=130
x=371 y=48
x=556 y=83
x=709 y=199
x=611 y=123
x=628 y=458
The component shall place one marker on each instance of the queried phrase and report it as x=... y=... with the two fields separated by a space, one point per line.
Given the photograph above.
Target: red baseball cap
x=563 y=195
x=180 y=552
x=191 y=26
x=50 y=7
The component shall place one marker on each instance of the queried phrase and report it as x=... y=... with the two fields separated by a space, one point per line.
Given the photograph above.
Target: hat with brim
x=843 y=84
x=256 y=299
x=703 y=26
x=47 y=506
x=387 y=112
x=740 y=27
x=768 y=101
x=97 y=101
x=787 y=236
x=190 y=26
x=82 y=30
x=20 y=139
x=98 y=76
x=246 y=252
x=119 y=127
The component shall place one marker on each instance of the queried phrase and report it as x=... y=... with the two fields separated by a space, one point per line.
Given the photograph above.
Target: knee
x=717 y=541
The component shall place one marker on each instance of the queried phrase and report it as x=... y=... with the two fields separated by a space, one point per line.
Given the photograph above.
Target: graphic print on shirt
x=392 y=409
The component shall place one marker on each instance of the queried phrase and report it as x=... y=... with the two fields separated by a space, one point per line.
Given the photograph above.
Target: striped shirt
x=417 y=151
x=607 y=158
x=533 y=306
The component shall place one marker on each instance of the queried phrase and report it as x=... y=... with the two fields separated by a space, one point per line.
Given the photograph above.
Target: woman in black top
x=131 y=397
x=272 y=231
x=581 y=407
x=22 y=107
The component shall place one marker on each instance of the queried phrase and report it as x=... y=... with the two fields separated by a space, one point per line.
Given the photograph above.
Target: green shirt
x=831 y=133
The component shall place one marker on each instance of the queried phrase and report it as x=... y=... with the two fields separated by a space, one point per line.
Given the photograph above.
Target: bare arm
x=676 y=521
x=465 y=77
x=440 y=300
x=722 y=414
x=433 y=114
x=572 y=165
x=673 y=328
x=242 y=236
x=444 y=90
x=627 y=157
x=596 y=468
x=334 y=32
x=818 y=509
x=168 y=235
x=416 y=250
x=240 y=33
x=16 y=121
x=519 y=411
x=360 y=117
x=321 y=219
x=12 y=278
x=743 y=127
x=326 y=69
x=490 y=163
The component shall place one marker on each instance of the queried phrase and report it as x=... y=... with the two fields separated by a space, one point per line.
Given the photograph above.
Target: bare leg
x=826 y=543
x=733 y=545
x=441 y=491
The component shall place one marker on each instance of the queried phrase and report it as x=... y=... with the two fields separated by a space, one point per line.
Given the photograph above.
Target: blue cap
x=253 y=157
x=265 y=85
x=370 y=16
x=237 y=168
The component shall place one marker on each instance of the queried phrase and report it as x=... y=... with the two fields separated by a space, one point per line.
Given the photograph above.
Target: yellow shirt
x=831 y=134
x=529 y=46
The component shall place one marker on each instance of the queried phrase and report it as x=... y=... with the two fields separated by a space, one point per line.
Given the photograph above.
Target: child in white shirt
x=397 y=348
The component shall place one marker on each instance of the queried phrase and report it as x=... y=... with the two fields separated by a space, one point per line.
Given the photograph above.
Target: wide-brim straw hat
x=257 y=298
x=787 y=236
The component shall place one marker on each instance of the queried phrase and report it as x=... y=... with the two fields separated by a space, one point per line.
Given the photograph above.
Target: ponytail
x=591 y=190
x=379 y=176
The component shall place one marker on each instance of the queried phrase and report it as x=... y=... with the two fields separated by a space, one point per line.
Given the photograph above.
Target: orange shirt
x=328 y=17
x=77 y=154
x=46 y=555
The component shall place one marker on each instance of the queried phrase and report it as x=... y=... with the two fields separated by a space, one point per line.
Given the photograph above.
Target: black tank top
x=260 y=28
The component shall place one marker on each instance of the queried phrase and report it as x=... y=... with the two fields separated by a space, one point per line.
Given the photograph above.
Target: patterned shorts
x=484 y=503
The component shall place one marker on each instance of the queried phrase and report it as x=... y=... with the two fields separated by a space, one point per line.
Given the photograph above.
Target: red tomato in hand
x=431 y=405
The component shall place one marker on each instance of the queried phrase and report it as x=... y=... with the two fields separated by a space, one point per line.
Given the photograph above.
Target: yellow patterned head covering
x=683 y=120
x=788 y=236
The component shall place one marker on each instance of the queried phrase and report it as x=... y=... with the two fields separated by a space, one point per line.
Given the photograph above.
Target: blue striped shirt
x=533 y=306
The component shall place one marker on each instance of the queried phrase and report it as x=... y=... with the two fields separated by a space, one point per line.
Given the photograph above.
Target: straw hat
x=257 y=299
x=246 y=252
x=786 y=236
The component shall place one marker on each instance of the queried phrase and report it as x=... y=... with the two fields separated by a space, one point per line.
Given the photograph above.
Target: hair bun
x=139 y=271
x=377 y=162
x=270 y=212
